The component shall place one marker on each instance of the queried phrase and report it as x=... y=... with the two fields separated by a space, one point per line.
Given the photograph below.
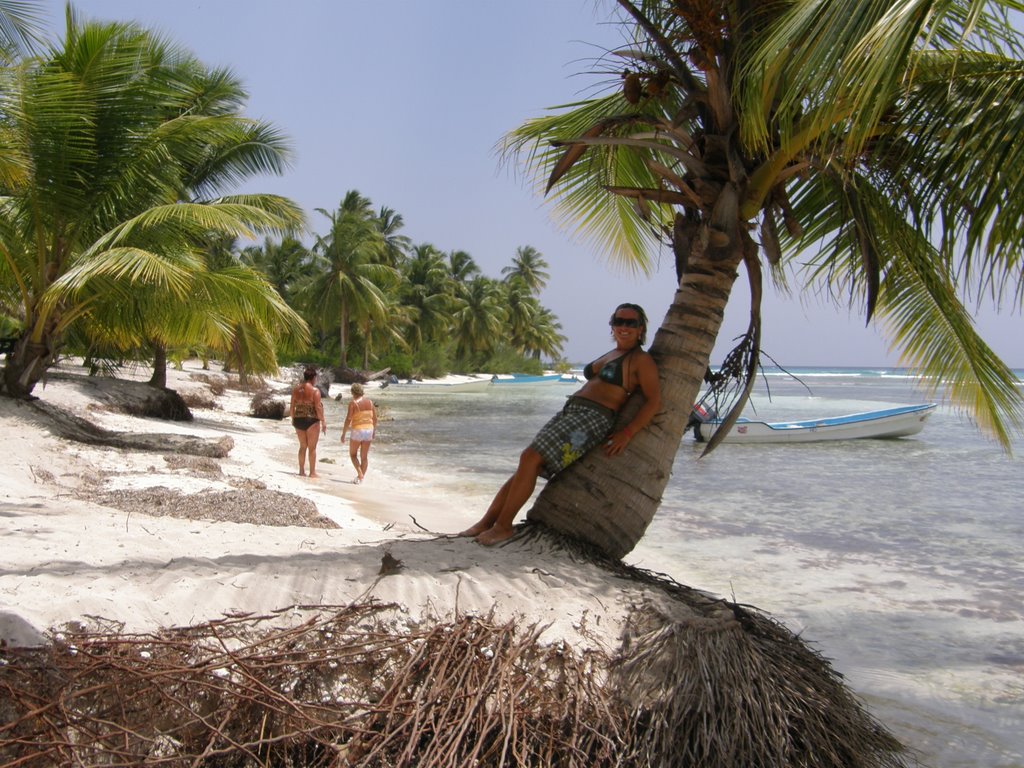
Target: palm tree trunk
x=159 y=377
x=609 y=502
x=343 y=336
x=25 y=366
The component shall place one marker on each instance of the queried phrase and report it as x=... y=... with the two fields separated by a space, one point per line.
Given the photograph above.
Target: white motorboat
x=440 y=386
x=547 y=378
x=901 y=421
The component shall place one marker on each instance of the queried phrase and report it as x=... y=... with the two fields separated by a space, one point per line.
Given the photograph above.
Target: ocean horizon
x=901 y=561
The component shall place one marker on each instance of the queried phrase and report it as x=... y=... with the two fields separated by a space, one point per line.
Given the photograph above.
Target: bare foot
x=494 y=535
x=476 y=530
x=313 y=474
x=302 y=473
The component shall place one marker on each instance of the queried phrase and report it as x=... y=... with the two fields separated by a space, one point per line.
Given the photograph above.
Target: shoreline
x=74 y=562
x=70 y=559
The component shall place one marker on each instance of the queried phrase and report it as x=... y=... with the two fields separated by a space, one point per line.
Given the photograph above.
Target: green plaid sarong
x=571 y=432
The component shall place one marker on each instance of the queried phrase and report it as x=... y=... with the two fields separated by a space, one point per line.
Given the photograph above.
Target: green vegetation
x=116 y=150
x=375 y=300
x=119 y=240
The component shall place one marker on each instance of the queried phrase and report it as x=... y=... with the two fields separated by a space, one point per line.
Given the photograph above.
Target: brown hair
x=642 y=315
x=310 y=373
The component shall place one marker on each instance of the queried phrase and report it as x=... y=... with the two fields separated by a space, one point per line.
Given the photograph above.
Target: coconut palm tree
x=426 y=291
x=232 y=311
x=348 y=275
x=544 y=336
x=462 y=268
x=386 y=330
x=19 y=28
x=284 y=263
x=396 y=246
x=479 y=321
x=880 y=135
x=522 y=310
x=116 y=149
x=529 y=267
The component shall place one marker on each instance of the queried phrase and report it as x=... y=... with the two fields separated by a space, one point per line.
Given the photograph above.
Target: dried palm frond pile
x=355 y=686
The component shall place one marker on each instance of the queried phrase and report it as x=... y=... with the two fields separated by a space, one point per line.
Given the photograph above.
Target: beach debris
x=40 y=475
x=390 y=565
x=217 y=385
x=342 y=374
x=198 y=398
x=265 y=406
x=202 y=466
x=250 y=502
x=358 y=685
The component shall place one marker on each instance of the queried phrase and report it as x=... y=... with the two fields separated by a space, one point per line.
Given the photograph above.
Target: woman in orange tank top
x=362 y=421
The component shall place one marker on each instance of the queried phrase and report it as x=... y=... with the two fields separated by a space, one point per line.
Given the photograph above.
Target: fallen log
x=67 y=425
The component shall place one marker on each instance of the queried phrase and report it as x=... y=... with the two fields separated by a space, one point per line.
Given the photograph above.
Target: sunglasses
x=626 y=322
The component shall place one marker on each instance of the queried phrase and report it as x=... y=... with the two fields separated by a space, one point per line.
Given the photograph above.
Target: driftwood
x=81 y=430
x=264 y=405
x=346 y=375
x=136 y=398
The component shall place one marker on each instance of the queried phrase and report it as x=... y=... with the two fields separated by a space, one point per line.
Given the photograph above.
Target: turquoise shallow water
x=902 y=561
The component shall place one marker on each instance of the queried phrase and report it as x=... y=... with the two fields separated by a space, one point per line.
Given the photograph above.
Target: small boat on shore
x=524 y=378
x=901 y=421
x=439 y=386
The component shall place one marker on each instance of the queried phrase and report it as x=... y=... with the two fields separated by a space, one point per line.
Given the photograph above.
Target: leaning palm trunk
x=609 y=502
x=814 y=133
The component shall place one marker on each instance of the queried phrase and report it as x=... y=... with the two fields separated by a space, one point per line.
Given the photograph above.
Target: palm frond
x=611 y=223
x=956 y=147
x=128 y=266
x=918 y=305
x=937 y=338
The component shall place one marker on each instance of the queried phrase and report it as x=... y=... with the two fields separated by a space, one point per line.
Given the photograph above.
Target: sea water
x=901 y=561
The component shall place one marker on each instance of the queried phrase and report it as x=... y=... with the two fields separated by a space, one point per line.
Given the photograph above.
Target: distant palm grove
x=121 y=240
x=372 y=298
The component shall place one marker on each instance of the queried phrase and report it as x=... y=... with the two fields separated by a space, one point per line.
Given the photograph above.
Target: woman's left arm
x=318 y=406
x=647 y=379
x=348 y=419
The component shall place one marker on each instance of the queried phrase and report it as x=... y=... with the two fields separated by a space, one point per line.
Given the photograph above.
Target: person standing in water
x=362 y=419
x=586 y=421
x=307 y=412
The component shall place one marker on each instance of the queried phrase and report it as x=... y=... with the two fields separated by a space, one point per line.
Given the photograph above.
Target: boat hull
x=441 y=387
x=549 y=378
x=882 y=424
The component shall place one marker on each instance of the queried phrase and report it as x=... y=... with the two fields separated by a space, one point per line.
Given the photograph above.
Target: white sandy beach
x=132 y=541
x=66 y=558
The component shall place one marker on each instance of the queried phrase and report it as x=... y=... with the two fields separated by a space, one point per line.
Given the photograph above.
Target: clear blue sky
x=404 y=101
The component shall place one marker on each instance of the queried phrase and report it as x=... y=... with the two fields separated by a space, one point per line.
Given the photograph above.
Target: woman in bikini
x=307 y=412
x=587 y=420
x=362 y=418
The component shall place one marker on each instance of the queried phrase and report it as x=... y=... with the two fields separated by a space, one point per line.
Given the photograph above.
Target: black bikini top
x=611 y=372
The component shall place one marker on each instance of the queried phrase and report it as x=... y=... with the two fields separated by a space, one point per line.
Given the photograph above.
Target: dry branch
x=358 y=686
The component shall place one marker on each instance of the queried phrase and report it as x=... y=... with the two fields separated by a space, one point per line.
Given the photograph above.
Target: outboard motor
x=700 y=414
